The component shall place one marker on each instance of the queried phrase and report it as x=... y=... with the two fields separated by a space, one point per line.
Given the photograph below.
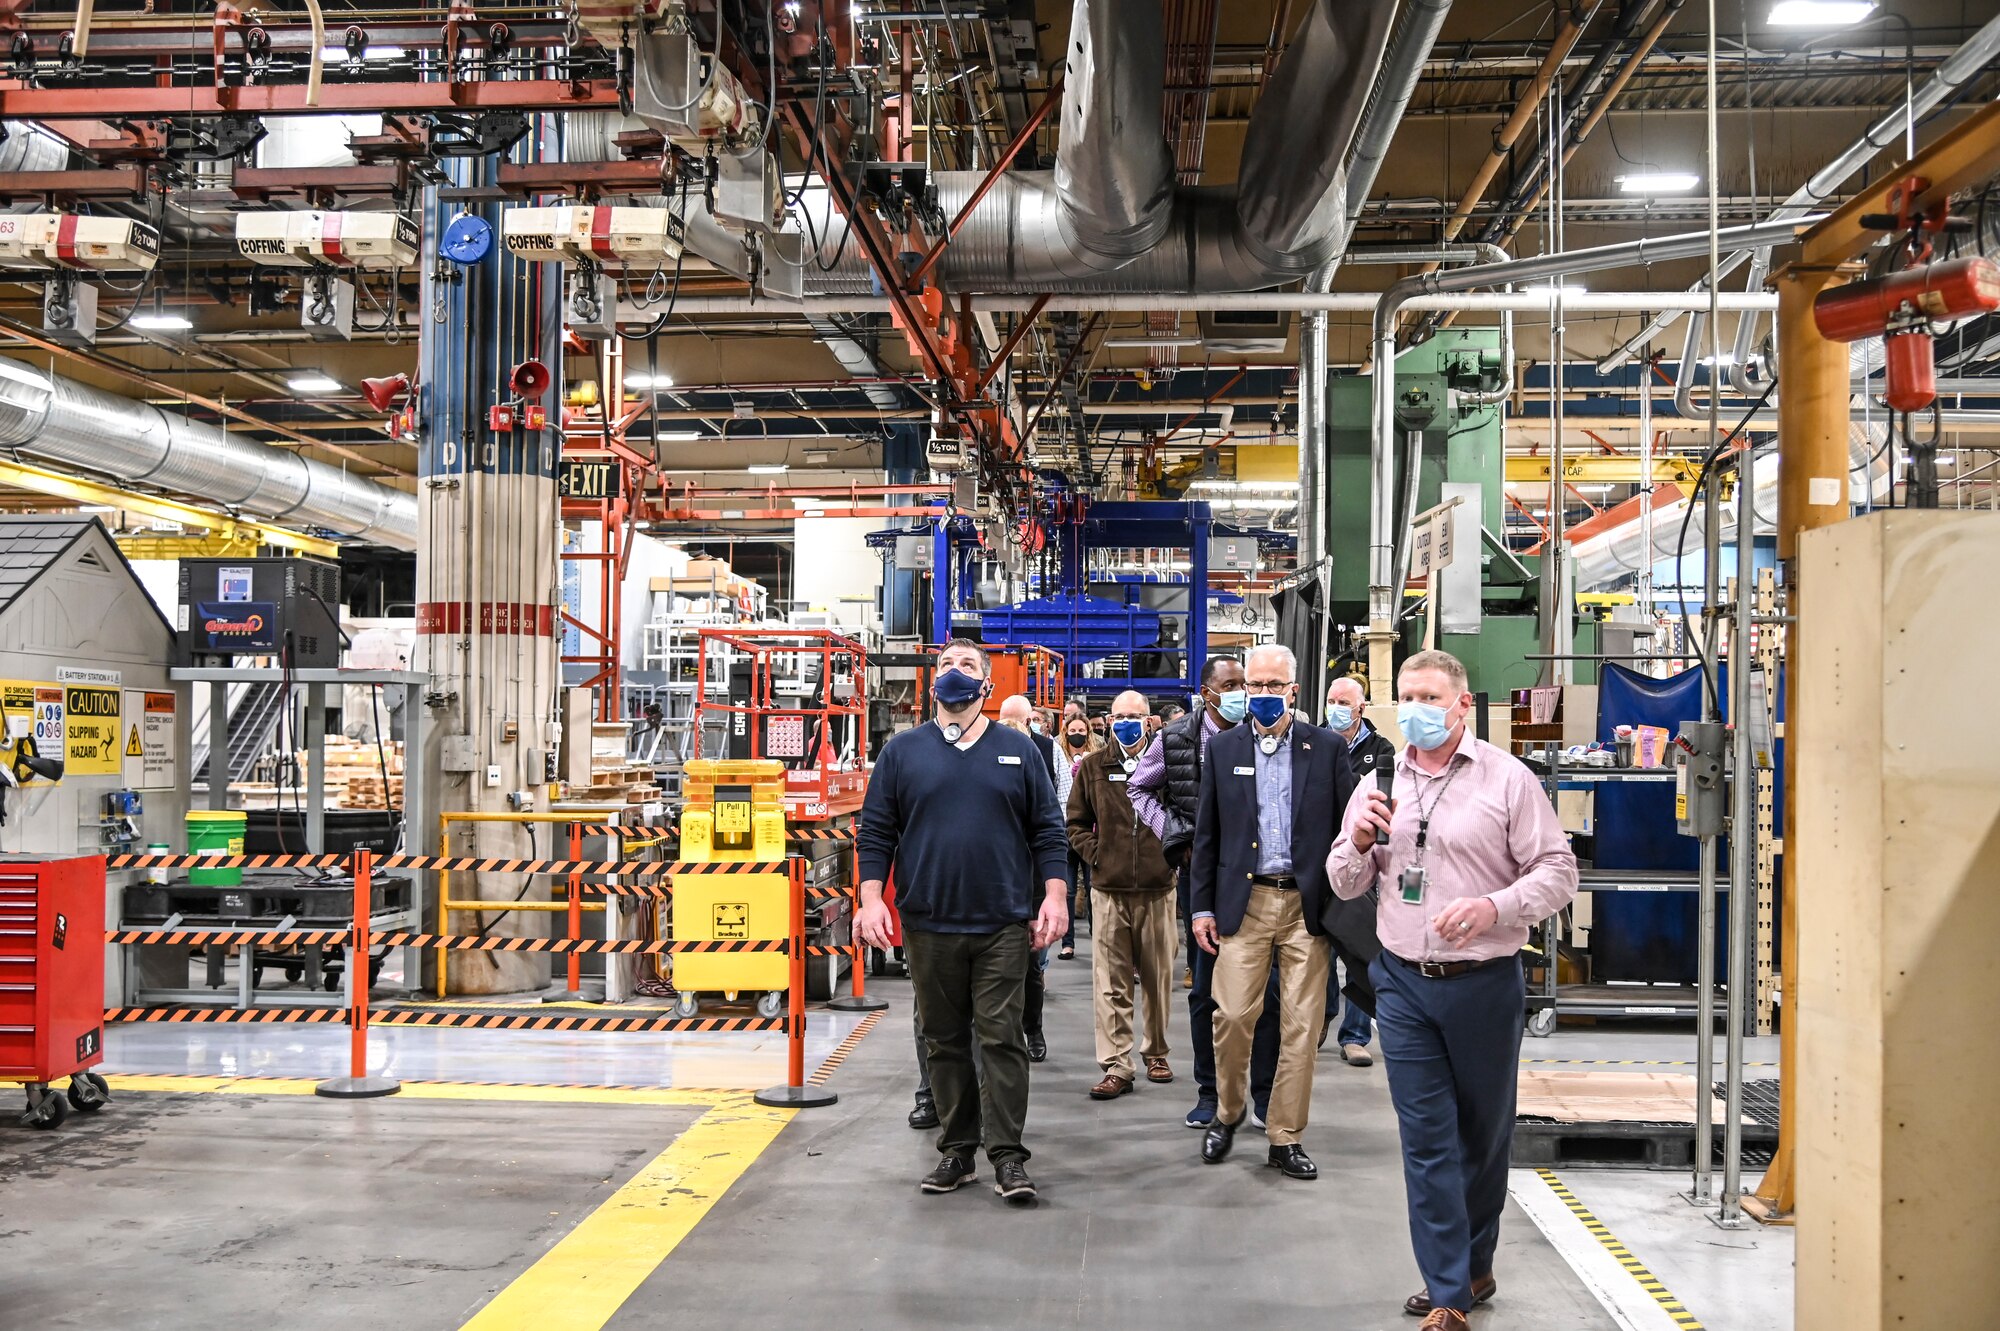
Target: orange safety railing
x=360 y=940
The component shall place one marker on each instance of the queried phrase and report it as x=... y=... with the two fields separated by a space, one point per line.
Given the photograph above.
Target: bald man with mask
x=1132 y=903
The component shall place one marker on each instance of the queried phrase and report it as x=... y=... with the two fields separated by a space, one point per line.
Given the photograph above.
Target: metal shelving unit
x=1615 y=1000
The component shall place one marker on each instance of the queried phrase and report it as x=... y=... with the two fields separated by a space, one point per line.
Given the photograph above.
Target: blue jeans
x=1453 y=1048
x=1354 y=1025
x=1201 y=1021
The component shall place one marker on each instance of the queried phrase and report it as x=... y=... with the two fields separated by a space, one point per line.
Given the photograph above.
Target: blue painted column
x=487 y=562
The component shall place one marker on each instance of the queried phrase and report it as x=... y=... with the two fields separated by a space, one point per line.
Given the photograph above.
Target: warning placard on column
x=148 y=746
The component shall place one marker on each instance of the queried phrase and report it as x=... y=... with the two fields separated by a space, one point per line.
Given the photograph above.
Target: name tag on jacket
x=1010 y=761
x=1246 y=771
x=1118 y=776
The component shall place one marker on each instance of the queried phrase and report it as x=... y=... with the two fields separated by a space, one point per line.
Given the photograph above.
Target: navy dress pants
x=1453 y=1049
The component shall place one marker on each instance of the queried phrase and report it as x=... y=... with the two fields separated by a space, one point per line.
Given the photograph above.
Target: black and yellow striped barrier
x=623 y=946
x=229 y=1015
x=232 y=937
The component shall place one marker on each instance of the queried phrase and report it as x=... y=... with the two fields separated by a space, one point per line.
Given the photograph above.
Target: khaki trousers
x=1130 y=932
x=1274 y=923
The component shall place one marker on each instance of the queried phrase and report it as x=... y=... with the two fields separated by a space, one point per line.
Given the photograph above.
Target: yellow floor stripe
x=1649 y=1282
x=584 y=1280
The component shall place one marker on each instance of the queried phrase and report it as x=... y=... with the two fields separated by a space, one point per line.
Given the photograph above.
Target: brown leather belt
x=1446 y=970
x=1283 y=882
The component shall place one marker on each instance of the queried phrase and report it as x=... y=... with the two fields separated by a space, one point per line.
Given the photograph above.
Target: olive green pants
x=971 y=987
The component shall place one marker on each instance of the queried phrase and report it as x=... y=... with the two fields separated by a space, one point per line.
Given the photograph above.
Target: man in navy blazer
x=1272 y=793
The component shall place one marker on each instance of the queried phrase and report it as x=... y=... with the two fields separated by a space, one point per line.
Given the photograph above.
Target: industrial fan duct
x=45 y=416
x=1109 y=217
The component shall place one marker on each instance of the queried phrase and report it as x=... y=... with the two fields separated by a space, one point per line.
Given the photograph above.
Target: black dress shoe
x=952 y=1173
x=924 y=1113
x=1038 y=1047
x=1294 y=1161
x=1215 y=1143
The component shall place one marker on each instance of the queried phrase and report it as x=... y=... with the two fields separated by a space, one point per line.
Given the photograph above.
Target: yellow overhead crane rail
x=1601 y=468
x=223 y=533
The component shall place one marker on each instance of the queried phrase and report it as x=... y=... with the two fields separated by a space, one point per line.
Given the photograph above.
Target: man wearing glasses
x=1272 y=792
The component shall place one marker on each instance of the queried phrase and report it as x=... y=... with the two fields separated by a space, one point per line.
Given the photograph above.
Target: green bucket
x=213 y=830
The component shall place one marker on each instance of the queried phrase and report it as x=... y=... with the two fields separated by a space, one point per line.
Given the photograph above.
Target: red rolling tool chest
x=52 y=984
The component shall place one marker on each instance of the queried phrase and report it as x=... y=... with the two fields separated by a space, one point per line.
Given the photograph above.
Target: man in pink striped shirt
x=1468 y=856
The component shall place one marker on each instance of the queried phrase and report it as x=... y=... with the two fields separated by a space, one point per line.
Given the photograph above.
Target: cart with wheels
x=52 y=985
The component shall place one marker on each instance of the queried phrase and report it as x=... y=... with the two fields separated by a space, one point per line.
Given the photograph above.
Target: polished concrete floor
x=201 y=1203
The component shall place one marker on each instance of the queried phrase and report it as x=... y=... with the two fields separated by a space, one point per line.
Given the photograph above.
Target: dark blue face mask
x=955 y=690
x=1127 y=729
x=1267 y=708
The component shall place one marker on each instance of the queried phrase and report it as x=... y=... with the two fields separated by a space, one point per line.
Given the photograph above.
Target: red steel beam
x=127 y=182
x=999 y=361
x=19 y=103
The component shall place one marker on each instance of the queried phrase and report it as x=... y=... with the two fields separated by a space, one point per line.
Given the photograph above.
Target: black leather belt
x=1446 y=970
x=1284 y=882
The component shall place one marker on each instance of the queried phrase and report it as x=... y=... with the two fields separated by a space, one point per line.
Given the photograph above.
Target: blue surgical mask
x=1339 y=716
x=1268 y=708
x=955 y=690
x=1233 y=705
x=1127 y=729
x=1035 y=726
x=1423 y=724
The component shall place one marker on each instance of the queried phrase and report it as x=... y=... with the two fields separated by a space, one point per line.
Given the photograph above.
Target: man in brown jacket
x=1131 y=902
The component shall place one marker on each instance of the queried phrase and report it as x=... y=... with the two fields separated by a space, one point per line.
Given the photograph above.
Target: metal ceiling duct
x=1080 y=226
x=61 y=420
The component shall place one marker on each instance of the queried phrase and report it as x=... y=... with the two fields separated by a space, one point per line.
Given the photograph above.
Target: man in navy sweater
x=965 y=813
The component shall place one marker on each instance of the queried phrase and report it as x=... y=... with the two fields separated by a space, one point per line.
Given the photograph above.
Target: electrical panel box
x=232 y=608
x=1698 y=786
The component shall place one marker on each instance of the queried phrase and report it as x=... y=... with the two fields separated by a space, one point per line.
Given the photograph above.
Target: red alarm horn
x=382 y=393
x=530 y=378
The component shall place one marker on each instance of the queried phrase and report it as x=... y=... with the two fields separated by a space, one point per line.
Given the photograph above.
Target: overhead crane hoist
x=326 y=245
x=62 y=245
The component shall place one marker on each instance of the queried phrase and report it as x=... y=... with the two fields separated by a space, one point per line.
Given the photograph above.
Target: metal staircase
x=253 y=717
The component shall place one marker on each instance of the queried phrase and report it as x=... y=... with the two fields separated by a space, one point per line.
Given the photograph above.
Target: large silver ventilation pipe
x=1958 y=68
x=65 y=421
x=1417 y=25
x=1036 y=229
x=1114 y=177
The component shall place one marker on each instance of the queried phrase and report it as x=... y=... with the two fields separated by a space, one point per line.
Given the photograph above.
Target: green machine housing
x=1462 y=442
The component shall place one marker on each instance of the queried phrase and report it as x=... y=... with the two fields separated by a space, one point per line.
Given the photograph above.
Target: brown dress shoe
x=1111 y=1087
x=1444 y=1319
x=1157 y=1070
x=1483 y=1289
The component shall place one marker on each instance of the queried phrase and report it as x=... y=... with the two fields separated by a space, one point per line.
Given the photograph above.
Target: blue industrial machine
x=1116 y=629
x=1152 y=632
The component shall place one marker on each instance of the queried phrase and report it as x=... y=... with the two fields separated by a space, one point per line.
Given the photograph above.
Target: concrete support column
x=487 y=569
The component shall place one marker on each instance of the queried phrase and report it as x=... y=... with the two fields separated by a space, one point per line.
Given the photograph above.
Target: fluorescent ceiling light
x=1594 y=489
x=1820 y=13
x=1245 y=485
x=1658 y=182
x=680 y=436
x=640 y=383
x=337 y=55
x=1720 y=358
x=159 y=321
x=1135 y=343
x=767 y=468
x=97 y=508
x=313 y=383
